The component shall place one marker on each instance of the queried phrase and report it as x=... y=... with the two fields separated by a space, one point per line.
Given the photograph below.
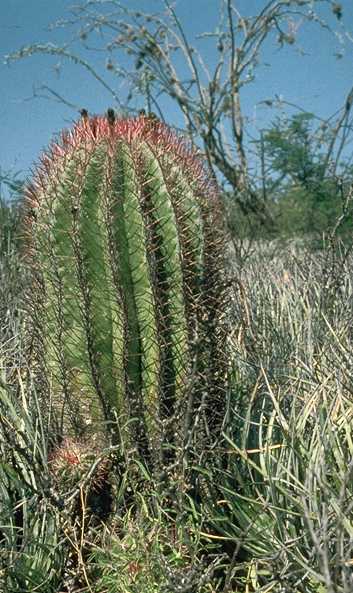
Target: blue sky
x=317 y=81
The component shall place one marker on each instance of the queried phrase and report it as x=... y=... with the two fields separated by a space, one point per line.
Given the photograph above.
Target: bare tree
x=164 y=63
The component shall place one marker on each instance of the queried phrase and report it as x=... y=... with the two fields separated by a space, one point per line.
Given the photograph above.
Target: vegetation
x=261 y=500
x=275 y=516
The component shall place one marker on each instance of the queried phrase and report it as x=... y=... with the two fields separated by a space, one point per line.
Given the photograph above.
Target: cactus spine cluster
x=128 y=296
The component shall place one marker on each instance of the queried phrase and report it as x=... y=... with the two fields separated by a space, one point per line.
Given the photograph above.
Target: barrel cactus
x=128 y=299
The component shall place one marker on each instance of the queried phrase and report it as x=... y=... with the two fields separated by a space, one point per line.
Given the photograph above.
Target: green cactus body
x=128 y=297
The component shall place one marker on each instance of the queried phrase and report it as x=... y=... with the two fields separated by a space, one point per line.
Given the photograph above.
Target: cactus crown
x=128 y=296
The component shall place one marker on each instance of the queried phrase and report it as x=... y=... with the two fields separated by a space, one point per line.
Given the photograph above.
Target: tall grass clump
x=284 y=505
x=30 y=554
x=29 y=521
x=13 y=277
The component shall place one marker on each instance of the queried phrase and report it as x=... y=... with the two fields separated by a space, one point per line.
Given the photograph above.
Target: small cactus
x=73 y=460
x=128 y=299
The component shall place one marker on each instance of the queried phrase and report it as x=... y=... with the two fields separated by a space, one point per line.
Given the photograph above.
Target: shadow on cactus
x=128 y=299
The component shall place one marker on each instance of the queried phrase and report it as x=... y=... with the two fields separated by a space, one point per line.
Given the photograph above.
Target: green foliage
x=30 y=556
x=304 y=187
x=308 y=190
x=290 y=148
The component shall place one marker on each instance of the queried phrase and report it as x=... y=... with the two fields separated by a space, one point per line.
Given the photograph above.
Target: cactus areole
x=128 y=299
